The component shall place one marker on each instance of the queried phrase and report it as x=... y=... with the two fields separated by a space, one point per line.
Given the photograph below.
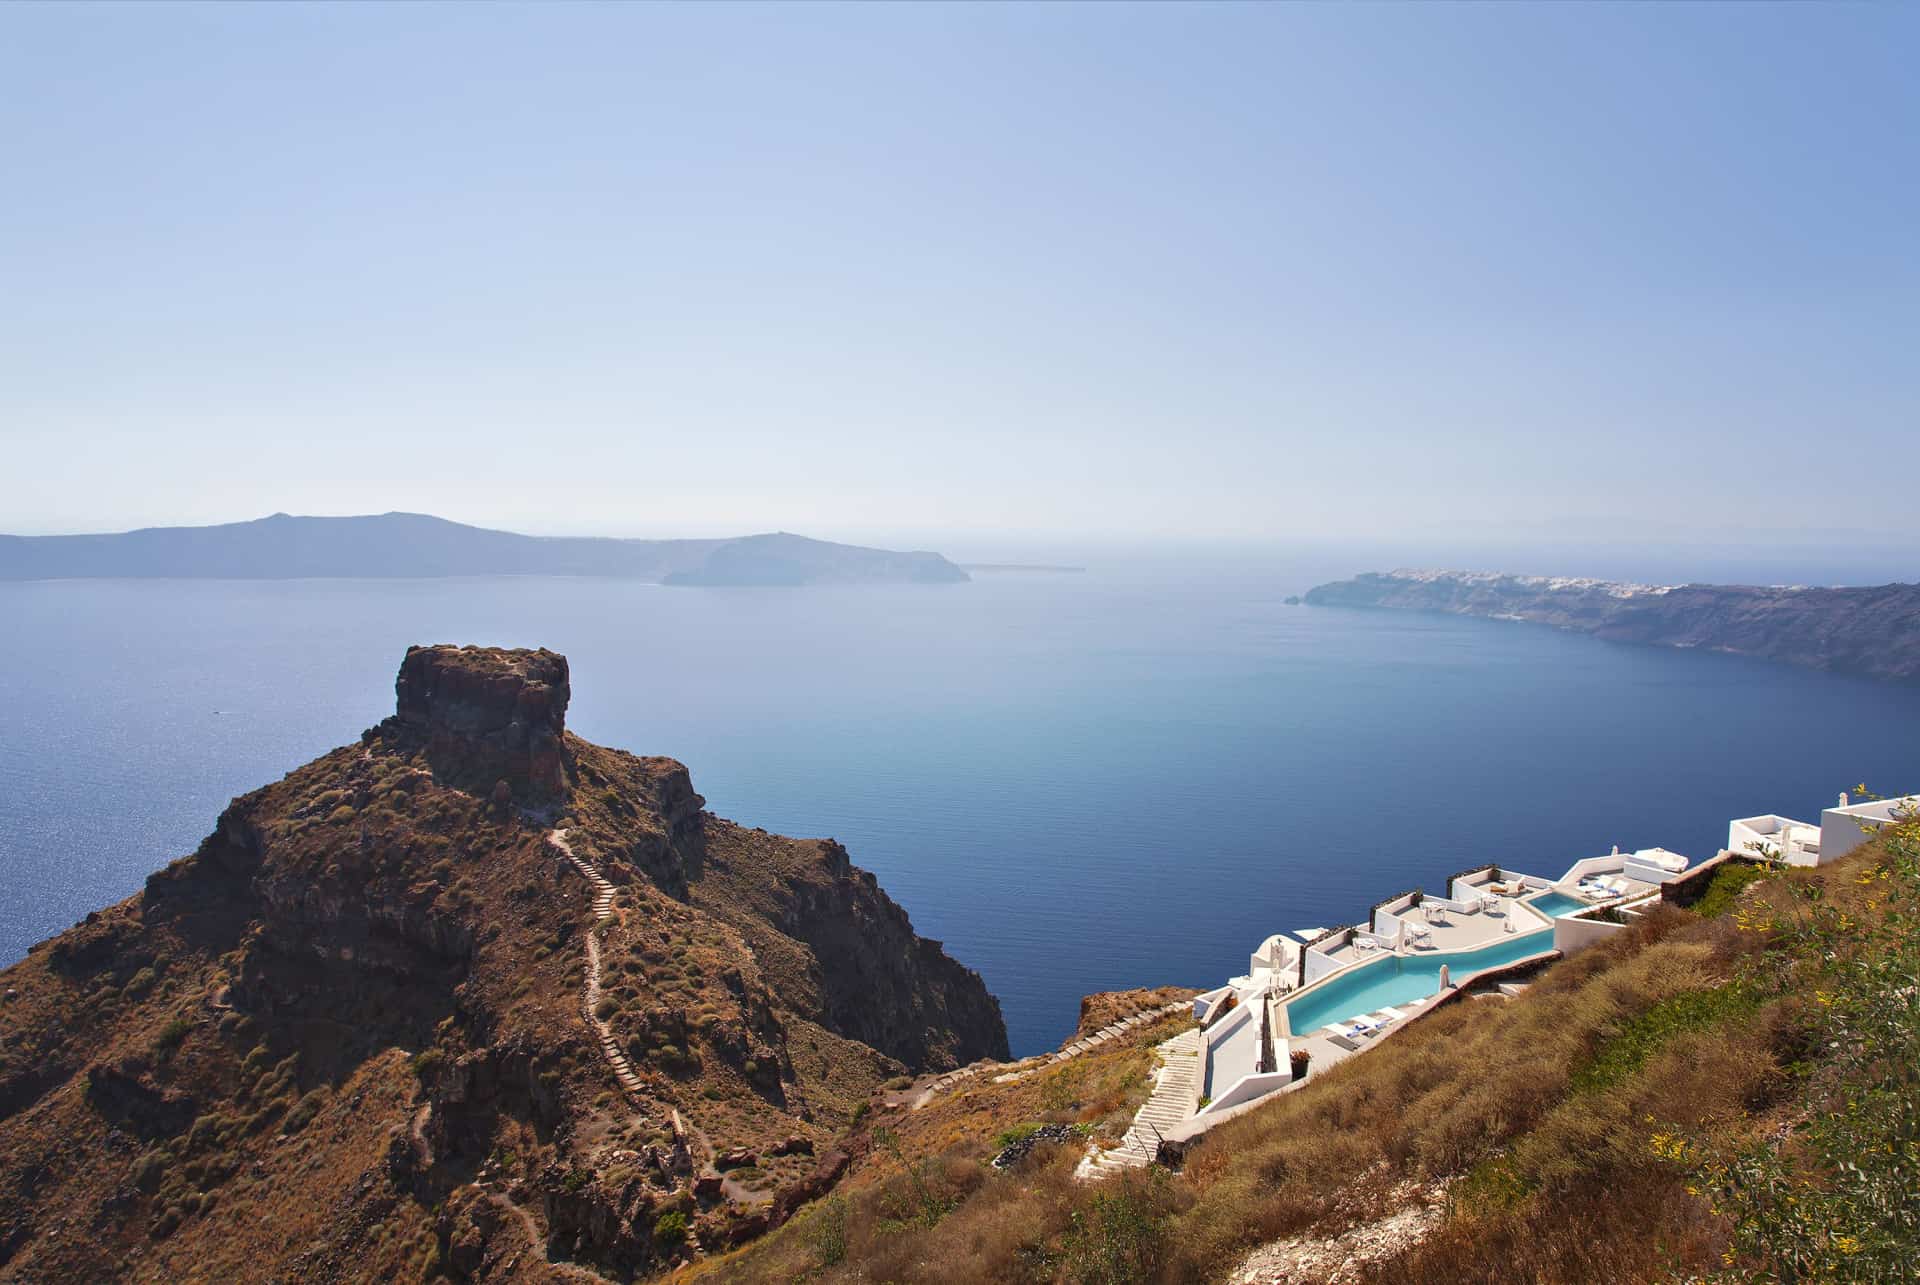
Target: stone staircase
x=590 y=993
x=1168 y=1105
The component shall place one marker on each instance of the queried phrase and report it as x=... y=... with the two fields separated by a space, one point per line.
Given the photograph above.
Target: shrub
x=428 y=1061
x=1728 y=882
x=1119 y=1238
x=670 y=1229
x=829 y=1231
x=303 y=1111
x=170 y=1038
x=149 y=1169
x=341 y=814
x=1007 y=1137
x=606 y=1008
x=141 y=982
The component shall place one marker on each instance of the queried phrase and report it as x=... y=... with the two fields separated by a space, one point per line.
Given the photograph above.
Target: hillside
x=1873 y=632
x=467 y=995
x=416 y=545
x=1723 y=1092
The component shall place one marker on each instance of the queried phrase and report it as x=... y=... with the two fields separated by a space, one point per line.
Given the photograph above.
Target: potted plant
x=1298 y=1060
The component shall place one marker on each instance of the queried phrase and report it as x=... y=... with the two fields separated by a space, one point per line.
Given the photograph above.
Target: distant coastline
x=419 y=546
x=1041 y=567
x=1873 y=631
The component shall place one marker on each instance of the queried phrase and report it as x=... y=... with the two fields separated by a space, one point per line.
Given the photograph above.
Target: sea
x=1125 y=776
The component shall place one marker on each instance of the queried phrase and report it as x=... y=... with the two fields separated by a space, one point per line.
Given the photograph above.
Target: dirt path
x=925 y=1090
x=590 y=993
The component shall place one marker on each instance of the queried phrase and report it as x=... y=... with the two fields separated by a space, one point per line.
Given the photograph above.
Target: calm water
x=1402 y=979
x=1077 y=782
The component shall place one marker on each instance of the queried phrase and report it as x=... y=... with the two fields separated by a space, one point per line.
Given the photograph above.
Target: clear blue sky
x=894 y=272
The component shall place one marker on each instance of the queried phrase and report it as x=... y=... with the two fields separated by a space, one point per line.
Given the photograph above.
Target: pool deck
x=1463 y=931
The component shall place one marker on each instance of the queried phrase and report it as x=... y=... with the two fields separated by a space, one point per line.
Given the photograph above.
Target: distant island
x=1045 y=567
x=415 y=545
x=1872 y=631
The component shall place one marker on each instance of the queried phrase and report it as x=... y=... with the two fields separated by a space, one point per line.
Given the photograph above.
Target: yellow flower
x=1846 y=1244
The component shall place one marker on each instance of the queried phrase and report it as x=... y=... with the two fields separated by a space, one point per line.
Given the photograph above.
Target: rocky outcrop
x=391 y=952
x=488 y=715
x=1873 y=631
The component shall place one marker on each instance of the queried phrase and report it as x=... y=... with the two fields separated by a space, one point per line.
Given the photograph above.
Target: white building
x=1842 y=828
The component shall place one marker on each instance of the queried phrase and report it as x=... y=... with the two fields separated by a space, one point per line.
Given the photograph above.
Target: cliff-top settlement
x=1873 y=631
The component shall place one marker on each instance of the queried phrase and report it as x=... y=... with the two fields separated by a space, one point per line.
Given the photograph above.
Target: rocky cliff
x=1871 y=631
x=471 y=996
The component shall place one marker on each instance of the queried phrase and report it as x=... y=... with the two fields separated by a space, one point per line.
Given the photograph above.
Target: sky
x=932 y=274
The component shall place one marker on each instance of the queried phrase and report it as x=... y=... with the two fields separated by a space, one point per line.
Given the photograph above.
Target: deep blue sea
x=1077 y=782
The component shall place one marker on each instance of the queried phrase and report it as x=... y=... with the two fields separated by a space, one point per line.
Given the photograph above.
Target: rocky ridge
x=1870 y=631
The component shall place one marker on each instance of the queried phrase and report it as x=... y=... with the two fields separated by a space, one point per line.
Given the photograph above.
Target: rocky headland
x=470 y=997
x=1872 y=631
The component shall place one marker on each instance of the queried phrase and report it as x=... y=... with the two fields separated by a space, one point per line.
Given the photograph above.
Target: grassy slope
x=1572 y=1127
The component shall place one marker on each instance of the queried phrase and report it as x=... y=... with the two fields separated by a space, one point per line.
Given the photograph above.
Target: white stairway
x=1168 y=1105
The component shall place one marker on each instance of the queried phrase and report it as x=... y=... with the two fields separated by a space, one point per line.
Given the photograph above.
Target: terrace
x=1334 y=994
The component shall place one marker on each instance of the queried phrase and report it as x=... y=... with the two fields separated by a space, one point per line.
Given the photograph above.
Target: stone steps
x=603 y=894
x=1166 y=1107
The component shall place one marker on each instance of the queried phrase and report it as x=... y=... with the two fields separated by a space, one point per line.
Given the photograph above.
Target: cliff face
x=351 y=1036
x=1873 y=632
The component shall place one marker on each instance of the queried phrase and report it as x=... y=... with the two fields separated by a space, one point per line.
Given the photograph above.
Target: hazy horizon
x=994 y=280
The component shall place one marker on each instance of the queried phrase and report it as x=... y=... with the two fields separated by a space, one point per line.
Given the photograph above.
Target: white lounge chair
x=1365 y=944
x=1346 y=1031
x=1436 y=913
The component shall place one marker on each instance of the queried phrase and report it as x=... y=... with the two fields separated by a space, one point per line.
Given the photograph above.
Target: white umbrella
x=1446 y=978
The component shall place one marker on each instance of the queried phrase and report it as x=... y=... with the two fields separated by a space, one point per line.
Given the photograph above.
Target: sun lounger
x=1351 y=1031
x=1394 y=1013
x=1365 y=944
x=1342 y=1042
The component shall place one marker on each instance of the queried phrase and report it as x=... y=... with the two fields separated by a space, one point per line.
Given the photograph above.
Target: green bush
x=428 y=1061
x=1728 y=882
x=670 y=1229
x=170 y=1038
x=829 y=1231
x=1119 y=1237
x=1007 y=1137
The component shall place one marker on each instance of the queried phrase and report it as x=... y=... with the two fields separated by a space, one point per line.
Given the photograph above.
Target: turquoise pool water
x=1555 y=904
x=1401 y=979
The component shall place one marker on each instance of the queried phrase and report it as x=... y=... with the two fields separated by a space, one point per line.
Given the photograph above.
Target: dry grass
x=1535 y=1114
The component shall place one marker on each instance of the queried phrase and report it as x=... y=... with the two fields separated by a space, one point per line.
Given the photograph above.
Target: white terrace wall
x=1249 y=1088
x=1319 y=964
x=1572 y=934
x=1844 y=829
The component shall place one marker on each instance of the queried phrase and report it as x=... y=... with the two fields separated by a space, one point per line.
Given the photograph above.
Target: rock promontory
x=467 y=999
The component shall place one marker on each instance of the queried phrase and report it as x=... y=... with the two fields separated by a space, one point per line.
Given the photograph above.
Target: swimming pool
x=1401 y=979
x=1555 y=904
